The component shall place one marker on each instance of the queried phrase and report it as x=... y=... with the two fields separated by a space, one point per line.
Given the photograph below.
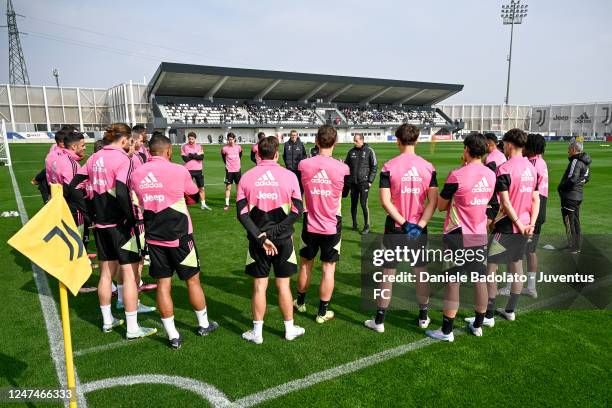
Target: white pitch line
x=331 y=373
x=49 y=310
x=219 y=399
x=103 y=347
x=204 y=390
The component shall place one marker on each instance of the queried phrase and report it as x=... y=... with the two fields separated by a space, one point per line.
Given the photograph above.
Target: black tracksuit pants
x=359 y=193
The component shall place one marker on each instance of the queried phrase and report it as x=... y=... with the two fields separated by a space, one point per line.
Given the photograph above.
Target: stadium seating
x=368 y=116
x=288 y=115
x=205 y=114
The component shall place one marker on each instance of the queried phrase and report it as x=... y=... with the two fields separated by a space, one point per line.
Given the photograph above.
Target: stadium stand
x=209 y=100
x=201 y=114
x=368 y=116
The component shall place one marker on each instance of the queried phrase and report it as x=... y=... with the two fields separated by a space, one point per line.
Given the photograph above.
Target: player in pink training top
x=517 y=187
x=408 y=193
x=109 y=171
x=66 y=167
x=254 y=155
x=231 y=154
x=466 y=193
x=193 y=155
x=161 y=187
x=268 y=204
x=323 y=181
x=494 y=159
x=534 y=149
x=55 y=151
x=140 y=145
x=139 y=156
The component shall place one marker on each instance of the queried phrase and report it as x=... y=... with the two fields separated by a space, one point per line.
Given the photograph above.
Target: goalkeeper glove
x=412 y=230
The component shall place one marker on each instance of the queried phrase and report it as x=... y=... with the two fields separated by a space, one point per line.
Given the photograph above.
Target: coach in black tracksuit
x=361 y=160
x=571 y=191
x=293 y=153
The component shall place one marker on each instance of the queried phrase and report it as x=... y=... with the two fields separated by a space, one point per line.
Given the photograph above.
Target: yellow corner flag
x=52 y=241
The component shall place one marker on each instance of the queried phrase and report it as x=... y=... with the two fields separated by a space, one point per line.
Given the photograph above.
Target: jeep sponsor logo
x=321 y=192
x=160 y=198
x=410 y=190
x=560 y=117
x=267 y=196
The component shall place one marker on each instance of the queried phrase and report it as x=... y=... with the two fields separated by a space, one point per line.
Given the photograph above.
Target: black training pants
x=359 y=192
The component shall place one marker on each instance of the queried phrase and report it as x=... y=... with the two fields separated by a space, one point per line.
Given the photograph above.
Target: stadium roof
x=184 y=80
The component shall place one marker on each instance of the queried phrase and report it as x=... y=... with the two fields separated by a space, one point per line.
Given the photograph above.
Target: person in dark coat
x=293 y=153
x=571 y=192
x=361 y=160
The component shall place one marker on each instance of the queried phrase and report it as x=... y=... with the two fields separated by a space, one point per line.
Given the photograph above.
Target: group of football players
x=135 y=199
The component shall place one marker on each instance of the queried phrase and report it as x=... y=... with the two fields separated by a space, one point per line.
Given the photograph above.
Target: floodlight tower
x=18 y=72
x=56 y=75
x=512 y=13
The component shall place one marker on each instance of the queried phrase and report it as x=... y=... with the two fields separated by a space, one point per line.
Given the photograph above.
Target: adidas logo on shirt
x=527 y=176
x=321 y=178
x=150 y=182
x=482 y=187
x=266 y=179
x=98 y=166
x=412 y=175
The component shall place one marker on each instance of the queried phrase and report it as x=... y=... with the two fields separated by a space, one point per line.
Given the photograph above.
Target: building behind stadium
x=212 y=101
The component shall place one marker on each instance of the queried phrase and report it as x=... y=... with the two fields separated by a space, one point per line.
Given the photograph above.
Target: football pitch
x=545 y=358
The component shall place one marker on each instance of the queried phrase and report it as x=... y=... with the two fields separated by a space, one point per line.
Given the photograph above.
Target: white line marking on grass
x=204 y=390
x=219 y=399
x=103 y=347
x=49 y=310
x=331 y=373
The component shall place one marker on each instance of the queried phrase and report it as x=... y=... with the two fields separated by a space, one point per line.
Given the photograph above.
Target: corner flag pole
x=65 y=313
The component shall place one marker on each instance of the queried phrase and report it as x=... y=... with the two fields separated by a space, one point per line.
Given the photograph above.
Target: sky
x=561 y=52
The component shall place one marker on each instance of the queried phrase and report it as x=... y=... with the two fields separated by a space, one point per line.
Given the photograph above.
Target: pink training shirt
x=232 y=154
x=496 y=157
x=470 y=188
x=161 y=186
x=540 y=165
x=50 y=163
x=409 y=177
x=66 y=167
x=138 y=159
x=268 y=186
x=144 y=151
x=323 y=181
x=104 y=169
x=186 y=150
x=519 y=178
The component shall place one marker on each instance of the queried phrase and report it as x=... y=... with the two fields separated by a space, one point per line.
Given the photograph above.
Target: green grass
x=545 y=358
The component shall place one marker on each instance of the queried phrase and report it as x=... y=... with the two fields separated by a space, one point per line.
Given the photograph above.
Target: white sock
x=203 y=203
x=113 y=287
x=140 y=283
x=120 y=293
x=531 y=280
x=227 y=201
x=170 y=329
x=107 y=315
x=257 y=327
x=131 y=320
x=288 y=325
x=202 y=317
